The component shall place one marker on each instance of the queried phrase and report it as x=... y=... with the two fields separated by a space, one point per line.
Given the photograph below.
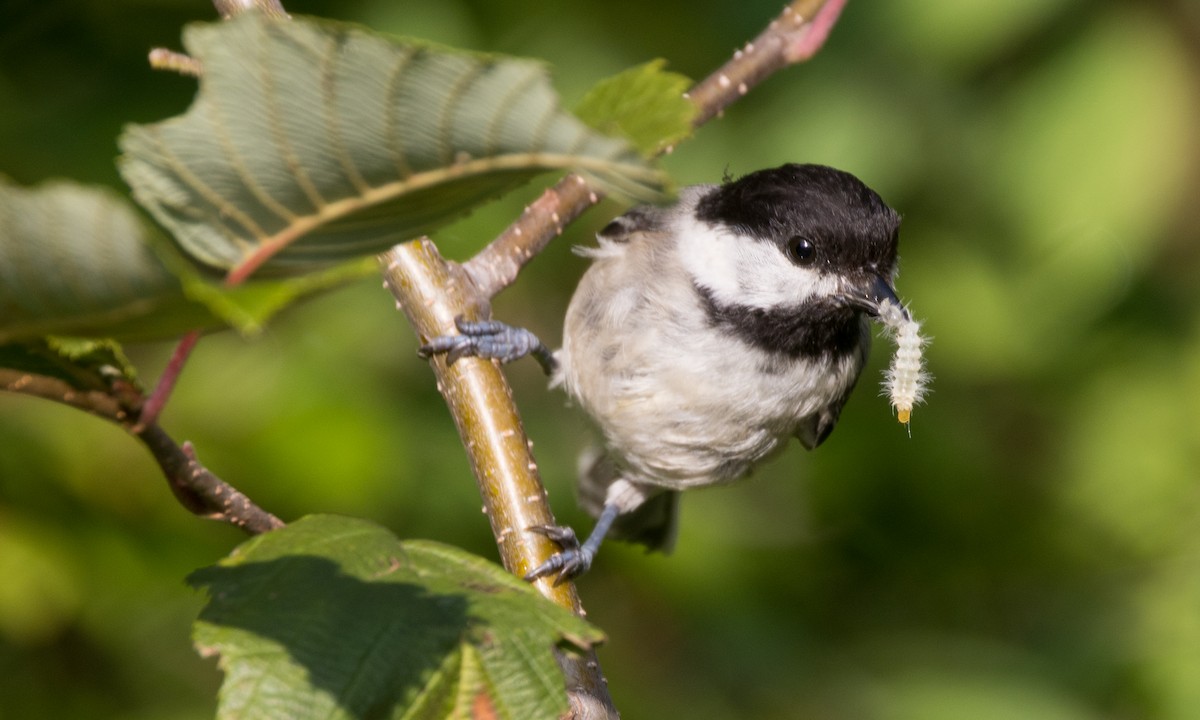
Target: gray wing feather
x=644 y=218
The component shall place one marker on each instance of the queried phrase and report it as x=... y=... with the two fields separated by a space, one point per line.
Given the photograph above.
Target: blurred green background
x=1032 y=551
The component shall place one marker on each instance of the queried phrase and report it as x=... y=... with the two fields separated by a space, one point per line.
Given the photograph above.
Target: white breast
x=680 y=405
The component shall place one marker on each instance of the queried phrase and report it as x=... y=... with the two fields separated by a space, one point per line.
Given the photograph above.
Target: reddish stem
x=166 y=382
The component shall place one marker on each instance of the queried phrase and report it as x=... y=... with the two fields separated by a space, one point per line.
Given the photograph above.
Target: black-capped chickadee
x=707 y=333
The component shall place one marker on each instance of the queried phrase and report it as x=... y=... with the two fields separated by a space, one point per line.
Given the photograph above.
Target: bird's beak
x=872 y=294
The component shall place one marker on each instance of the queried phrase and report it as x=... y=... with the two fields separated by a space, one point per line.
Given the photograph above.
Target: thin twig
x=196 y=488
x=495 y=267
x=793 y=37
x=166 y=381
x=199 y=490
x=96 y=402
x=176 y=62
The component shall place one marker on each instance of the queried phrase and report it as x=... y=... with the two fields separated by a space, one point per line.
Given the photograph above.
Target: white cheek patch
x=746 y=271
x=906 y=381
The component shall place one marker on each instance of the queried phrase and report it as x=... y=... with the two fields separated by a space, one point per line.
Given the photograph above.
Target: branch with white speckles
x=793 y=37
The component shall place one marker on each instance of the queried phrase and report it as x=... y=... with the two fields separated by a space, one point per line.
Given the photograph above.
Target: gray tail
x=654 y=523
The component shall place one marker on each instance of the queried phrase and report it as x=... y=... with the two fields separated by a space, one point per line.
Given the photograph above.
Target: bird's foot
x=568 y=564
x=490 y=340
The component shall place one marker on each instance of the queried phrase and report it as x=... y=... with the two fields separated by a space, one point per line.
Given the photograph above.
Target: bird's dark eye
x=801 y=250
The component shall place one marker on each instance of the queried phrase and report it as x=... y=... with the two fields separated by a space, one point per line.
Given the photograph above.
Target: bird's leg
x=574 y=559
x=491 y=340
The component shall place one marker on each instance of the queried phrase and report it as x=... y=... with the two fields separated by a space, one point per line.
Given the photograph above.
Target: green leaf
x=74 y=259
x=645 y=104
x=311 y=142
x=334 y=617
x=78 y=260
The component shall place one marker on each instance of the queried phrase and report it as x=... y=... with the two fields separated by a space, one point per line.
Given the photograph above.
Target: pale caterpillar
x=906 y=378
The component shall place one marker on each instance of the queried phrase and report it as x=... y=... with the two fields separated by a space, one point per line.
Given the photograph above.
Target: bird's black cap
x=854 y=225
